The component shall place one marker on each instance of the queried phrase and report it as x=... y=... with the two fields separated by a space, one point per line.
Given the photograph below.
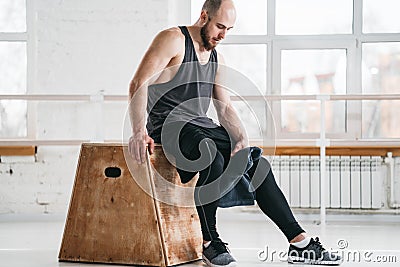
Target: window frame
x=351 y=42
x=30 y=40
x=313 y=43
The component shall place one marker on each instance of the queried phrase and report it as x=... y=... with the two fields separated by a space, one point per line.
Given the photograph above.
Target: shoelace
x=317 y=245
x=219 y=246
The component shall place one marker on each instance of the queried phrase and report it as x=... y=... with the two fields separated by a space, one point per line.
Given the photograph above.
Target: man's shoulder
x=168 y=44
x=172 y=34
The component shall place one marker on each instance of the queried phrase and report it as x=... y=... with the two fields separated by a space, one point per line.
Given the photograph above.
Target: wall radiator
x=396 y=183
x=352 y=181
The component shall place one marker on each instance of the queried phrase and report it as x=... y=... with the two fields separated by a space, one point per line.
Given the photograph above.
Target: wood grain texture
x=113 y=220
x=180 y=225
x=17 y=150
x=110 y=220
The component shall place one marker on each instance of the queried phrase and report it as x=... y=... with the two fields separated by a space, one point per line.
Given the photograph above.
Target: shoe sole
x=313 y=262
x=208 y=263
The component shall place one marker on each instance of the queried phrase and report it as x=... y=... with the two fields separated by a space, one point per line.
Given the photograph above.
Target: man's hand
x=243 y=143
x=137 y=146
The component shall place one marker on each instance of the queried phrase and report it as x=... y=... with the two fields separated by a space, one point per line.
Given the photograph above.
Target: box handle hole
x=112 y=172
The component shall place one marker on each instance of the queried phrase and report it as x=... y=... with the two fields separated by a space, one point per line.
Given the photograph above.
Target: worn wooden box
x=116 y=215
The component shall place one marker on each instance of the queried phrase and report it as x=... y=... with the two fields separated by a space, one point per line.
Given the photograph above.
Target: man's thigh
x=188 y=147
x=217 y=138
x=192 y=135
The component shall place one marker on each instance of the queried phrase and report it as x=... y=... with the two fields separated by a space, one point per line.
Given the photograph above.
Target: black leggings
x=269 y=197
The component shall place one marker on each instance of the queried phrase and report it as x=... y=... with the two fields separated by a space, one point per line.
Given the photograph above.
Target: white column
x=322 y=143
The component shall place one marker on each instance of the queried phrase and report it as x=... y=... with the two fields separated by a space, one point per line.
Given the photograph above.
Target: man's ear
x=204 y=16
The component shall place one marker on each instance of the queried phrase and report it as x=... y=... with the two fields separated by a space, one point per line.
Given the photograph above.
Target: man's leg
x=194 y=143
x=206 y=203
x=271 y=200
x=273 y=203
x=192 y=140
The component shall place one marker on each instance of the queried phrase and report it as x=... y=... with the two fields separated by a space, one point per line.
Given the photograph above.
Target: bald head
x=216 y=18
x=213 y=6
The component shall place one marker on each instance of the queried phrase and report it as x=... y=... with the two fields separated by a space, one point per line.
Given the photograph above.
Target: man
x=179 y=74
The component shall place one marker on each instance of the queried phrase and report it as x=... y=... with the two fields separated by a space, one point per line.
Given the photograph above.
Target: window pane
x=12 y=81
x=381 y=16
x=251 y=16
x=381 y=68
x=12 y=16
x=250 y=61
x=320 y=71
x=381 y=75
x=314 y=16
x=12 y=118
x=254 y=117
x=304 y=116
x=13 y=67
x=299 y=116
x=308 y=72
x=380 y=119
x=254 y=114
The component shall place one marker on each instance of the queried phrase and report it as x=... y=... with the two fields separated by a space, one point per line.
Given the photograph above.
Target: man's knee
x=214 y=170
x=260 y=166
x=261 y=172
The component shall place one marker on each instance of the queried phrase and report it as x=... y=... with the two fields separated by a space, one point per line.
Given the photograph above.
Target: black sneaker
x=217 y=254
x=313 y=253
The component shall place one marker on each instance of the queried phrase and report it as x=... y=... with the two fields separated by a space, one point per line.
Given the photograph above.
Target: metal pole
x=323 y=142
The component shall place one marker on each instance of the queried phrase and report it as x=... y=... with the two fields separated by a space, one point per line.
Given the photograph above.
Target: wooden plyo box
x=117 y=212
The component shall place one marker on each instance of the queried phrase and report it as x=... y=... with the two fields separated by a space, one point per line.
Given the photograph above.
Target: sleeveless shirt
x=186 y=97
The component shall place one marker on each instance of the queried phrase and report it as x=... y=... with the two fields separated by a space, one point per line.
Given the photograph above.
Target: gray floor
x=369 y=241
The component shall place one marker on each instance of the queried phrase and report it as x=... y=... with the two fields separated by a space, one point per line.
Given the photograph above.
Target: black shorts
x=188 y=136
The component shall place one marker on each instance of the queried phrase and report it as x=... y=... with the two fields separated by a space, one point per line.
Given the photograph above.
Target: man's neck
x=194 y=31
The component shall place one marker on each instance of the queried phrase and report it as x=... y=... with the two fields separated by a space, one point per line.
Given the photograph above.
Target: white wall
x=77 y=47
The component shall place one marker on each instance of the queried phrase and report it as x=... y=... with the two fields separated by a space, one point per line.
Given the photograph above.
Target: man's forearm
x=232 y=123
x=137 y=106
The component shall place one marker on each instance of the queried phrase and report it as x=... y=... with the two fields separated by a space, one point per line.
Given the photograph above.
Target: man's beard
x=205 y=38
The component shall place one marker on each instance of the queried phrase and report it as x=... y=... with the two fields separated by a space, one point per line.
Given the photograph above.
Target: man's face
x=216 y=27
x=206 y=38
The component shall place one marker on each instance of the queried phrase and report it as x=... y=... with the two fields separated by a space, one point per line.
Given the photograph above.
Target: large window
x=313 y=16
x=248 y=18
x=314 y=47
x=381 y=75
x=251 y=54
x=312 y=72
x=381 y=16
x=13 y=67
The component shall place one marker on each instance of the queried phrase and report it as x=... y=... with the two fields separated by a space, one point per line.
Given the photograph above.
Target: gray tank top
x=185 y=98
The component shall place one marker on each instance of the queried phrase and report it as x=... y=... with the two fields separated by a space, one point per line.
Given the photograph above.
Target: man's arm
x=227 y=115
x=165 y=46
